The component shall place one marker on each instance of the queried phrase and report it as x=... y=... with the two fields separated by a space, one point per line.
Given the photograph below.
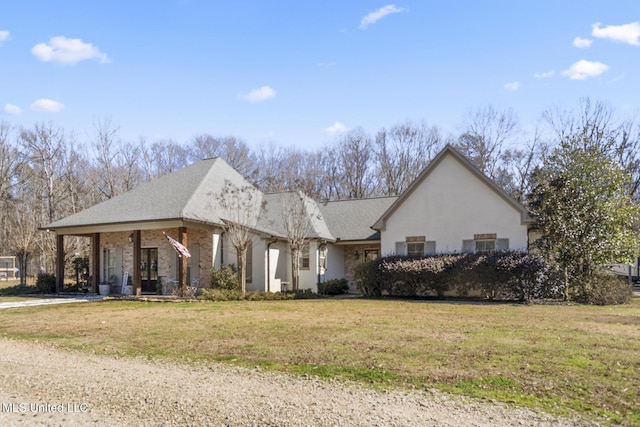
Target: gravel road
x=44 y=385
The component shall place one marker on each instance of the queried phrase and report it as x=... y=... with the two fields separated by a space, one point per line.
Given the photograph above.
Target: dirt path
x=44 y=385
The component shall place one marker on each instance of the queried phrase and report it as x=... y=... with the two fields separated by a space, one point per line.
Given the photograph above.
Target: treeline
x=48 y=173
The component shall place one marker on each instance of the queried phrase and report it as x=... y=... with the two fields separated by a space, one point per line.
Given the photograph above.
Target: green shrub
x=225 y=278
x=602 y=288
x=46 y=283
x=213 y=294
x=333 y=287
x=367 y=278
x=511 y=275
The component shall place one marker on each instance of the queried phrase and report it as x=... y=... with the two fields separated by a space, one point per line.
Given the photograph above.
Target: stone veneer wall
x=351 y=261
x=166 y=254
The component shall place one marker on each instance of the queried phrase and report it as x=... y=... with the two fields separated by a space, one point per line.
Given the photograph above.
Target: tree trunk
x=242 y=270
x=295 y=269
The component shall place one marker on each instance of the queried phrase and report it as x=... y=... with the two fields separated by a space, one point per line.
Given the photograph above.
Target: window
x=303 y=257
x=109 y=271
x=485 y=245
x=249 y=270
x=371 y=254
x=415 y=249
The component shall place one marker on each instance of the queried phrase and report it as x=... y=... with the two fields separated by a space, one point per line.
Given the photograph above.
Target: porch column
x=182 y=261
x=97 y=261
x=59 y=262
x=137 y=258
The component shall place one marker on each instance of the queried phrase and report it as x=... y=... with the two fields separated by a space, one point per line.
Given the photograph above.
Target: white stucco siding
x=451 y=205
x=335 y=262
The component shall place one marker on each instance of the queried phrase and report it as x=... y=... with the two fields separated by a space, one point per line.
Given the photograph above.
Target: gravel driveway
x=44 y=385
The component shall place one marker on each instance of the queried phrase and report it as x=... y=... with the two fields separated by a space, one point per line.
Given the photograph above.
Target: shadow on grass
x=17 y=290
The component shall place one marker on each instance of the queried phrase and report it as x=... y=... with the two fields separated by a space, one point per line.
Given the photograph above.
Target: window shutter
x=502 y=244
x=400 y=248
x=468 y=245
x=430 y=247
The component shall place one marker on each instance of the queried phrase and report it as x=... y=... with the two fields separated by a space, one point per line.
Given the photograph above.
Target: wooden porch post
x=97 y=260
x=182 y=261
x=59 y=262
x=137 y=274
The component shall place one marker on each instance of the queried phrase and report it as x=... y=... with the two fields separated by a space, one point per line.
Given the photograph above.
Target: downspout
x=269 y=263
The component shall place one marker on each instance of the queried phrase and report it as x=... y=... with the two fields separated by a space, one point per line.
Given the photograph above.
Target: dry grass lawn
x=561 y=359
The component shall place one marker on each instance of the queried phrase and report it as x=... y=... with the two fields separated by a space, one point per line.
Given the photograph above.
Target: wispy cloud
x=512 y=86
x=627 y=33
x=581 y=43
x=67 y=51
x=14 y=110
x=377 y=15
x=4 y=36
x=45 y=105
x=583 y=69
x=544 y=75
x=260 y=94
x=335 y=129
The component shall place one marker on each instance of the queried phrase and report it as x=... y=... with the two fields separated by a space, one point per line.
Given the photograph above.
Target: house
x=451 y=206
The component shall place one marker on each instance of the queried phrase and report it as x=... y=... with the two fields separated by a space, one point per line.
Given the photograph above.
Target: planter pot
x=128 y=290
x=104 y=289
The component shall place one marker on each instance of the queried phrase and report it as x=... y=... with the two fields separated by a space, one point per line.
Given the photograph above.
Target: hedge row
x=510 y=275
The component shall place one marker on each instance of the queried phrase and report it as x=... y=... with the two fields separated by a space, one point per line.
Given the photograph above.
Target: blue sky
x=296 y=73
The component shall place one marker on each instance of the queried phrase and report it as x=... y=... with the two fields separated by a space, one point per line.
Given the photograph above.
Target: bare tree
x=161 y=158
x=353 y=153
x=484 y=133
x=10 y=161
x=299 y=213
x=402 y=152
x=595 y=123
x=232 y=150
x=241 y=206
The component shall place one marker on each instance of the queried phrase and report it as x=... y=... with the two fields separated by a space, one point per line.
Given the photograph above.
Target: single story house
x=451 y=206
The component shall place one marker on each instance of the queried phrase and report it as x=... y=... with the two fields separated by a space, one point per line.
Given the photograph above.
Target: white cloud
x=261 y=94
x=581 y=43
x=46 y=106
x=544 y=75
x=512 y=86
x=4 y=36
x=12 y=109
x=627 y=33
x=67 y=51
x=373 y=17
x=582 y=70
x=335 y=129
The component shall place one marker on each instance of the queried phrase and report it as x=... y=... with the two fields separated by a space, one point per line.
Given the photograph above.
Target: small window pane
x=415 y=249
x=485 y=245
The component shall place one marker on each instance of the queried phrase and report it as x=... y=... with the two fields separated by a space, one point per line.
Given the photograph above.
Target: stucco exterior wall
x=451 y=205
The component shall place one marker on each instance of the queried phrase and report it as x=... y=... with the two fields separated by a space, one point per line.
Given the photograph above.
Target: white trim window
x=485 y=243
x=416 y=246
x=304 y=260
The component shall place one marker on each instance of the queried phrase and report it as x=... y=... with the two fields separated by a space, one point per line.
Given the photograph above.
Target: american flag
x=179 y=247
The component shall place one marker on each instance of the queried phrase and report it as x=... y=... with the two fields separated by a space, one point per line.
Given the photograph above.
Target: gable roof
x=188 y=194
x=350 y=220
x=448 y=150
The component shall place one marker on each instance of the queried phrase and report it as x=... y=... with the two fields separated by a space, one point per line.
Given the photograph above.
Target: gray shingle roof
x=187 y=194
x=352 y=219
x=272 y=216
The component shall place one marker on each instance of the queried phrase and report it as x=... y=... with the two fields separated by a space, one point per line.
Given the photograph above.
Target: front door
x=149 y=269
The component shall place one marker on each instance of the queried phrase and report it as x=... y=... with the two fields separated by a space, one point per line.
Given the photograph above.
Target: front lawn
x=557 y=358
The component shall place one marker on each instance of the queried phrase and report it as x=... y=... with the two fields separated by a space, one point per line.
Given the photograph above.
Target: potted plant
x=104 y=288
